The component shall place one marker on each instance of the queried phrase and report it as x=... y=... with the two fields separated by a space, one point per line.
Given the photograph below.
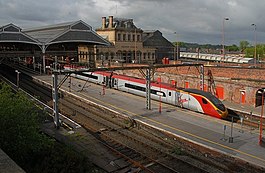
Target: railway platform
x=7 y=165
x=250 y=110
x=198 y=128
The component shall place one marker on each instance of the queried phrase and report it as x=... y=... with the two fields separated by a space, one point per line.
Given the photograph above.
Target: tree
x=22 y=139
x=243 y=45
x=233 y=48
x=19 y=126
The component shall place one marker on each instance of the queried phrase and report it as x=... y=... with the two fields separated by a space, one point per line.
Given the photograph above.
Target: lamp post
x=255 y=37
x=176 y=51
x=223 y=36
x=17 y=78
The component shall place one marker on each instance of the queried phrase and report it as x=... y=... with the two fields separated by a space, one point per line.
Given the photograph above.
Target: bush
x=22 y=139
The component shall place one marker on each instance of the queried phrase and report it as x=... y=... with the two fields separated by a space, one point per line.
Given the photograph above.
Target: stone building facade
x=130 y=44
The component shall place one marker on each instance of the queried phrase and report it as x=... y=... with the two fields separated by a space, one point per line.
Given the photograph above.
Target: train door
x=177 y=98
x=108 y=82
x=112 y=82
x=185 y=100
x=182 y=99
x=170 y=97
x=115 y=83
x=104 y=81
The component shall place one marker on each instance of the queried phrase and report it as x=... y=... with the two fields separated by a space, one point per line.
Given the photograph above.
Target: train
x=192 y=99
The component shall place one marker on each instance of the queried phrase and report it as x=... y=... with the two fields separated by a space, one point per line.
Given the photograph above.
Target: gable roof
x=12 y=33
x=77 y=31
x=155 y=39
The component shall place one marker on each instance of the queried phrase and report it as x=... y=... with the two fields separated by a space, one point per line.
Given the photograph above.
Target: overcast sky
x=194 y=21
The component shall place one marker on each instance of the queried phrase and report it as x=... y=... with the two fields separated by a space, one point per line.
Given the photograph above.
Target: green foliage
x=23 y=141
x=232 y=48
x=178 y=151
x=60 y=158
x=250 y=51
x=19 y=126
x=196 y=45
x=243 y=45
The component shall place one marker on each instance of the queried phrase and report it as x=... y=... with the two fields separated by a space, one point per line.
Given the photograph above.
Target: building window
x=129 y=37
x=144 y=55
x=119 y=37
x=138 y=37
x=124 y=37
x=133 y=37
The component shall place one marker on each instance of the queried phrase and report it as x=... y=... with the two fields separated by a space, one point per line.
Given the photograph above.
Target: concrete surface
x=200 y=128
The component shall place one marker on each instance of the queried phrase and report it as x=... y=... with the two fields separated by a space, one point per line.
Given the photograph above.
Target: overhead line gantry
x=148 y=74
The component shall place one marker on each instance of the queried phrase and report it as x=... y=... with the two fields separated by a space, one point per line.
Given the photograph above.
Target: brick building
x=233 y=84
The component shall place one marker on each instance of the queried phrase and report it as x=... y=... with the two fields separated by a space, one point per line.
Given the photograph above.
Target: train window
x=204 y=101
x=139 y=88
x=134 y=87
x=169 y=94
x=90 y=76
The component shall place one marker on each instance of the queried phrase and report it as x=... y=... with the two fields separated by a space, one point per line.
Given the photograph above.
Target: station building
x=42 y=45
x=130 y=44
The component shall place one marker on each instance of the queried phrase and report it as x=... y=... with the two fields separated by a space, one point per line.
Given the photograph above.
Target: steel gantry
x=150 y=70
x=148 y=88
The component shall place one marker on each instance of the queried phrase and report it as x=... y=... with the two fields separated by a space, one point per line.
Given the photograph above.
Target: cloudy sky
x=194 y=21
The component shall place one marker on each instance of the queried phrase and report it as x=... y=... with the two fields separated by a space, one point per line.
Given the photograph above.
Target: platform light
x=18 y=72
x=223 y=36
x=255 y=38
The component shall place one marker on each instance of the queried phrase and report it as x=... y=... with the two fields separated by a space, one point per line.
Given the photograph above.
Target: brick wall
x=235 y=81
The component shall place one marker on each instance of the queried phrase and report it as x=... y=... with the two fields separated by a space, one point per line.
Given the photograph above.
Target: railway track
x=146 y=154
x=144 y=151
x=139 y=149
x=250 y=121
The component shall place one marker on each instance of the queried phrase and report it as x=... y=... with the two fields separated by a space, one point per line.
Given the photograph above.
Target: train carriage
x=192 y=99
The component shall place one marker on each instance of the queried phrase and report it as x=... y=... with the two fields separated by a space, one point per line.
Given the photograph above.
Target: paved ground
x=7 y=165
x=194 y=126
x=255 y=111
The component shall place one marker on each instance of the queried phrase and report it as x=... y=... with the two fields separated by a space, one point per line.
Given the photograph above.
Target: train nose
x=225 y=113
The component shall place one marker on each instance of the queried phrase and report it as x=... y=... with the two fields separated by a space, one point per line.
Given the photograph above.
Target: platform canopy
x=71 y=32
x=12 y=34
x=77 y=31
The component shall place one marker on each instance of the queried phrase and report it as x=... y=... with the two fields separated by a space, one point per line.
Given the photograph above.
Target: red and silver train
x=192 y=99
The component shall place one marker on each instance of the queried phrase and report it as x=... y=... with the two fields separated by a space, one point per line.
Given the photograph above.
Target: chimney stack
x=103 y=22
x=110 y=21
